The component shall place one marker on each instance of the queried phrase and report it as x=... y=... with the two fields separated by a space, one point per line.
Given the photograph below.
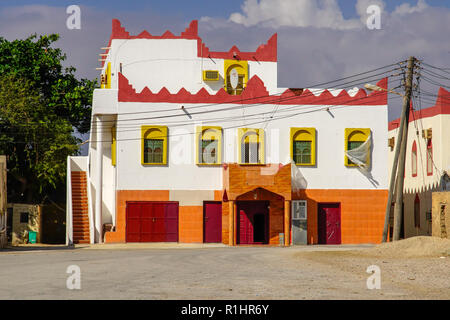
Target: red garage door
x=152 y=222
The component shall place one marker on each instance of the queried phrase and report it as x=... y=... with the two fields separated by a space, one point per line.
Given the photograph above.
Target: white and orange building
x=192 y=145
x=427 y=163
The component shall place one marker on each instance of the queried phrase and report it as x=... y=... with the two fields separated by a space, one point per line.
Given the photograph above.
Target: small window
x=154 y=145
x=24 y=216
x=414 y=160
x=429 y=158
x=251 y=142
x=299 y=210
x=209 y=145
x=303 y=146
x=354 y=138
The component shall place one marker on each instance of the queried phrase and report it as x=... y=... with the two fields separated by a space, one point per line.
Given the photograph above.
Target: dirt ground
x=420 y=265
x=417 y=268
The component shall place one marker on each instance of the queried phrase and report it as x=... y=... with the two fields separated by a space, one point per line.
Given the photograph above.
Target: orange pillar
x=231 y=223
x=287 y=223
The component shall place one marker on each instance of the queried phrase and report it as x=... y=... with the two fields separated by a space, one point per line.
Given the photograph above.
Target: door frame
x=153 y=202
x=319 y=204
x=267 y=222
x=204 y=223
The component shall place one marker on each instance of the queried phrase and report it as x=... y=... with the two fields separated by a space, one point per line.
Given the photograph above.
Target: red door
x=253 y=222
x=329 y=223
x=152 y=222
x=212 y=226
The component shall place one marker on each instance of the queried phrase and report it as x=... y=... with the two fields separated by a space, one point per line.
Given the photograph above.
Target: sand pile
x=412 y=247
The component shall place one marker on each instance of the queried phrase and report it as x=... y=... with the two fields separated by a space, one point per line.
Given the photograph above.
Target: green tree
x=41 y=103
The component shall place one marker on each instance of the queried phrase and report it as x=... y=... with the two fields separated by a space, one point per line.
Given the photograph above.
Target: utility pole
x=401 y=148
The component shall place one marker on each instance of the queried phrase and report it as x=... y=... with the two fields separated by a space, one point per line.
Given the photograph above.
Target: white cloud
x=312 y=53
x=406 y=8
x=298 y=13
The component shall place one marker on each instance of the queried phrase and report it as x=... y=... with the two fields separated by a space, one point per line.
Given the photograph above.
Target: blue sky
x=192 y=9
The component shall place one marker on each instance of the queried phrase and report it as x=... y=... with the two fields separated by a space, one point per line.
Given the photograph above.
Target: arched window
x=354 y=138
x=242 y=70
x=209 y=145
x=303 y=146
x=414 y=160
x=154 y=145
x=251 y=142
x=417 y=211
x=429 y=158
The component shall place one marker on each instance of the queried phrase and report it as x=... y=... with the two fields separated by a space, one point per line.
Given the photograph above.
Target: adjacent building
x=192 y=145
x=427 y=162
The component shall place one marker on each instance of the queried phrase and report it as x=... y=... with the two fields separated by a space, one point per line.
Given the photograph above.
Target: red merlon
x=265 y=52
x=442 y=106
x=255 y=92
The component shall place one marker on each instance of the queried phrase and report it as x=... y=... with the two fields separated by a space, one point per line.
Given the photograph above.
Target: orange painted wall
x=122 y=196
x=362 y=213
x=190 y=222
x=190 y=225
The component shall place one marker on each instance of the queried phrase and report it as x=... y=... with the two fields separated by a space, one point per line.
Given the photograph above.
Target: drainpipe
x=98 y=187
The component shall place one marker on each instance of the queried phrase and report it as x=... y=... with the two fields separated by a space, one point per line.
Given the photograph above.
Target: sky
x=318 y=40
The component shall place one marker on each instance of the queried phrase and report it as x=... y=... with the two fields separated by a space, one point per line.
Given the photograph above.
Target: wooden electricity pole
x=398 y=209
x=399 y=146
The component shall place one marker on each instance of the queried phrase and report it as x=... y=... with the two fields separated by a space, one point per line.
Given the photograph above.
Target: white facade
x=152 y=64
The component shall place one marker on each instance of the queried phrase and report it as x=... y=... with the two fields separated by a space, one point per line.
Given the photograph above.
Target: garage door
x=152 y=222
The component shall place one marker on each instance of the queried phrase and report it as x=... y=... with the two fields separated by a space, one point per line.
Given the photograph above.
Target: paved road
x=185 y=273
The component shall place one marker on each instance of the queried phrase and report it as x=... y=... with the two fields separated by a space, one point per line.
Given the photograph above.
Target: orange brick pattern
x=362 y=213
x=190 y=224
x=80 y=215
x=240 y=179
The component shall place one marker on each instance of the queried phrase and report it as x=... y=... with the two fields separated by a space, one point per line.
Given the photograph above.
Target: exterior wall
x=20 y=230
x=174 y=64
x=441 y=215
x=362 y=213
x=329 y=172
x=190 y=214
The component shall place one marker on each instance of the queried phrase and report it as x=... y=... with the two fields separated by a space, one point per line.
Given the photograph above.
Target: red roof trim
x=255 y=92
x=265 y=52
x=442 y=106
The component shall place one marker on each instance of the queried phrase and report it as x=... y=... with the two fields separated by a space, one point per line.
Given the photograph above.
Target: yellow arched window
x=154 y=145
x=354 y=138
x=209 y=145
x=251 y=146
x=242 y=70
x=303 y=146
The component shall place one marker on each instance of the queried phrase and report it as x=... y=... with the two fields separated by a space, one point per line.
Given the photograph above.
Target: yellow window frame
x=107 y=75
x=113 y=145
x=304 y=134
x=260 y=140
x=356 y=135
x=154 y=132
x=208 y=133
x=242 y=68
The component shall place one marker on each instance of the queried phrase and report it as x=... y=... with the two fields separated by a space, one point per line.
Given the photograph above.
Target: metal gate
x=299 y=222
